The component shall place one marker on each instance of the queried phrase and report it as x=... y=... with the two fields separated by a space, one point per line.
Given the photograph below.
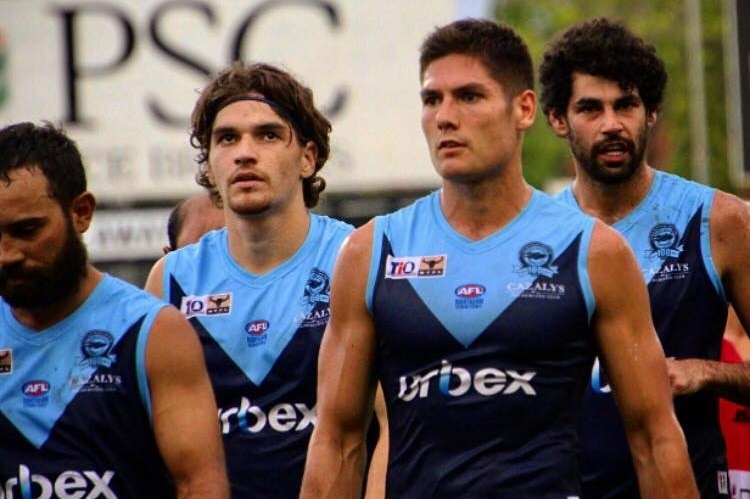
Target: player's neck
x=40 y=319
x=612 y=202
x=479 y=210
x=261 y=244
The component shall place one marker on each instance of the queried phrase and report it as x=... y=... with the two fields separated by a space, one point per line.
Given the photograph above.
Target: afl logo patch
x=256 y=332
x=35 y=393
x=470 y=291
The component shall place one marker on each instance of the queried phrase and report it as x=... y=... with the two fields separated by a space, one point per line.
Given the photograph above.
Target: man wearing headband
x=257 y=291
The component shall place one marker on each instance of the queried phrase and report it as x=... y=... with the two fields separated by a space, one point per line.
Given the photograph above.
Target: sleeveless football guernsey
x=669 y=233
x=75 y=415
x=261 y=335
x=484 y=349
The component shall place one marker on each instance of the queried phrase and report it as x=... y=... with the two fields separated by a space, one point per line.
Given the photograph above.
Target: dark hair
x=603 y=48
x=174 y=223
x=498 y=46
x=26 y=145
x=293 y=101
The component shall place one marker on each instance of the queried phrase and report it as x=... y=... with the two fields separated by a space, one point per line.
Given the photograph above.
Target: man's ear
x=525 y=107
x=82 y=211
x=559 y=124
x=651 y=119
x=309 y=158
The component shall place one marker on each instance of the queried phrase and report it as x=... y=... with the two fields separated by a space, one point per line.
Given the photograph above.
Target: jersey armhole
x=377 y=248
x=583 y=270
x=705 y=236
x=140 y=356
x=166 y=285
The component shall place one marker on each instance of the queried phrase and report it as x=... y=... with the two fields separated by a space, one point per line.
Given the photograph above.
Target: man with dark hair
x=104 y=389
x=602 y=88
x=479 y=308
x=190 y=219
x=257 y=291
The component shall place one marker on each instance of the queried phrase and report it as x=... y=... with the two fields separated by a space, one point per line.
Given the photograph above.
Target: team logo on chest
x=93 y=372
x=536 y=260
x=316 y=299
x=409 y=267
x=664 y=240
x=96 y=347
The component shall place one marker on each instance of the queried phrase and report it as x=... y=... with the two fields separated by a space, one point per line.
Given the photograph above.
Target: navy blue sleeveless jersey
x=261 y=335
x=669 y=233
x=75 y=416
x=484 y=349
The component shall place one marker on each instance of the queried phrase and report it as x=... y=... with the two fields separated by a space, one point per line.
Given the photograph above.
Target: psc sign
x=77 y=71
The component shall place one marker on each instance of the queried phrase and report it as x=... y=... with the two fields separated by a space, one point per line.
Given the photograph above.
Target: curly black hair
x=296 y=107
x=604 y=48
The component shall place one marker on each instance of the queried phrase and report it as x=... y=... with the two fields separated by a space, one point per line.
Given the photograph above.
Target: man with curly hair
x=257 y=291
x=602 y=88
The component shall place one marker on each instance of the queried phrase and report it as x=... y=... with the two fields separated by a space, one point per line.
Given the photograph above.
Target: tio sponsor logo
x=69 y=484
x=251 y=418
x=408 y=267
x=206 y=305
x=457 y=381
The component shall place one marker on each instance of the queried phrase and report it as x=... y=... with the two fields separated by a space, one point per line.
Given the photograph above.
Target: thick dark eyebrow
x=627 y=99
x=272 y=126
x=587 y=102
x=469 y=87
x=428 y=93
x=222 y=130
x=25 y=223
x=277 y=127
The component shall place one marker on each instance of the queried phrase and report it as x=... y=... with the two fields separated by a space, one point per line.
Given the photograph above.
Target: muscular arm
x=184 y=409
x=634 y=362
x=335 y=458
x=730 y=247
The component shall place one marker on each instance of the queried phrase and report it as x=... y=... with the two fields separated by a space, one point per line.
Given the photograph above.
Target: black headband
x=276 y=107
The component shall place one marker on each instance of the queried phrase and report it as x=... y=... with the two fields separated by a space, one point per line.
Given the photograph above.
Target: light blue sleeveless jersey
x=261 y=335
x=484 y=350
x=75 y=415
x=669 y=233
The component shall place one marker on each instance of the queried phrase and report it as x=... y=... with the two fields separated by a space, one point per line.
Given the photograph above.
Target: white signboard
x=127 y=234
x=122 y=77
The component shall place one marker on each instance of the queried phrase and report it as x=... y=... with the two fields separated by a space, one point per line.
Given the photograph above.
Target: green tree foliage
x=661 y=22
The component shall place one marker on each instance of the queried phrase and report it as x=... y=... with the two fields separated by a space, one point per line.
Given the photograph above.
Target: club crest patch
x=536 y=260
